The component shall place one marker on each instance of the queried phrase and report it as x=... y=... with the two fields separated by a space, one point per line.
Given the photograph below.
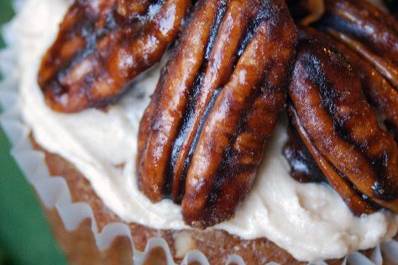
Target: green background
x=25 y=237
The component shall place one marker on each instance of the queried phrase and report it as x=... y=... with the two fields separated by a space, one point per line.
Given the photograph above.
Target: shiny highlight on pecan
x=202 y=137
x=102 y=46
x=340 y=129
x=368 y=37
x=373 y=33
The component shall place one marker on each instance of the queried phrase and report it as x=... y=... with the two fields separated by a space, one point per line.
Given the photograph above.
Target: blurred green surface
x=25 y=237
x=5 y=13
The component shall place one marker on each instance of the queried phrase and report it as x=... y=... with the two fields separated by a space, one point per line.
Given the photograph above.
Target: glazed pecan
x=366 y=29
x=365 y=38
x=202 y=137
x=340 y=129
x=368 y=37
x=102 y=45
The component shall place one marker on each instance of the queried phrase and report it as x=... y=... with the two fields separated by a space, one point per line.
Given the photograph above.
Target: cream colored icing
x=310 y=221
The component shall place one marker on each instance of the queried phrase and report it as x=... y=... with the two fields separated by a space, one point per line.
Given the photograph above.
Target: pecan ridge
x=217 y=102
x=102 y=46
x=336 y=124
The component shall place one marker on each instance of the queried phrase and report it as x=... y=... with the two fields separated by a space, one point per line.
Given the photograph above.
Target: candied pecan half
x=202 y=137
x=366 y=29
x=340 y=129
x=102 y=45
x=381 y=94
x=374 y=55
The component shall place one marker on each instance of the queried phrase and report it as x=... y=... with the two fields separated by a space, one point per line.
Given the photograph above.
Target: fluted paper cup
x=74 y=222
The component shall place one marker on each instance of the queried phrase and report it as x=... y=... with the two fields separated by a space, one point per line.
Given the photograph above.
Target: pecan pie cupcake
x=210 y=131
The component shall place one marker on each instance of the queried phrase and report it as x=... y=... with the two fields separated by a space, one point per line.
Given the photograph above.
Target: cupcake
x=211 y=131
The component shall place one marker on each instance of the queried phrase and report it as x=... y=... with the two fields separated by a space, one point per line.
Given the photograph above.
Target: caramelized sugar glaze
x=203 y=135
x=102 y=46
x=343 y=104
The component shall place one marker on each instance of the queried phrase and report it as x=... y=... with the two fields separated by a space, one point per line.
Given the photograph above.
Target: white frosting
x=310 y=221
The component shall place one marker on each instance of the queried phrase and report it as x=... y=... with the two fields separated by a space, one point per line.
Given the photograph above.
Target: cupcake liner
x=54 y=192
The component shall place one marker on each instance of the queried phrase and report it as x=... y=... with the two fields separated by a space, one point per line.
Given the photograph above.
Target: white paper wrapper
x=54 y=192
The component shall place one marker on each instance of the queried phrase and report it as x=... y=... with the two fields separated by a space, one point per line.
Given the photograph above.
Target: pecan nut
x=368 y=38
x=103 y=45
x=340 y=129
x=202 y=137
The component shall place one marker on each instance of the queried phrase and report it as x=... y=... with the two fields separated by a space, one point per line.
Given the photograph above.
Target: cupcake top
x=102 y=144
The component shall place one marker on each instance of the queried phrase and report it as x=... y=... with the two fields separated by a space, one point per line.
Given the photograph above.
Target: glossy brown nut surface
x=379 y=91
x=102 y=46
x=367 y=37
x=373 y=55
x=202 y=136
x=366 y=29
x=340 y=129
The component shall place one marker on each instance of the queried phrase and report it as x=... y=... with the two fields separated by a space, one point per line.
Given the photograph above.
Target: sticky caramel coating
x=102 y=46
x=378 y=90
x=374 y=55
x=367 y=38
x=164 y=115
x=355 y=200
x=202 y=136
x=329 y=107
x=365 y=22
x=368 y=30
